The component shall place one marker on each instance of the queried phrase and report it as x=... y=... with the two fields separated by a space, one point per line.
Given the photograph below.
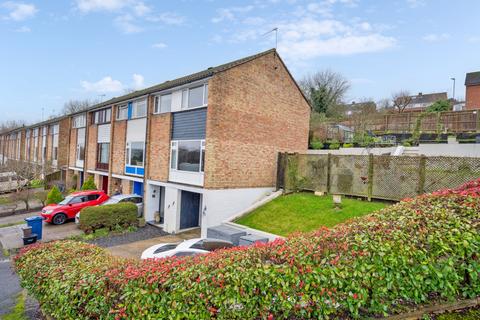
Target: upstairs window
x=102 y=116
x=139 y=109
x=163 y=103
x=195 y=97
x=79 y=121
x=122 y=112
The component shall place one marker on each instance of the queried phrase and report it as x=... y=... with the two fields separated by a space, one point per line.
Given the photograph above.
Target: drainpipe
x=146 y=172
x=110 y=151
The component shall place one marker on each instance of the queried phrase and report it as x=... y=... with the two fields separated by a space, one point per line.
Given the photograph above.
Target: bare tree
x=325 y=89
x=73 y=105
x=11 y=124
x=401 y=100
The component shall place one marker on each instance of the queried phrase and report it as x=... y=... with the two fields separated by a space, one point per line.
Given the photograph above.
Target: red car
x=71 y=205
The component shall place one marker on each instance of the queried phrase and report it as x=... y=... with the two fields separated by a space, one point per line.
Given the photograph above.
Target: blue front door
x=138 y=188
x=189 y=210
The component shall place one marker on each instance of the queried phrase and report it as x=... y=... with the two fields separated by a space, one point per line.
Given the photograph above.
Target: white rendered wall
x=219 y=205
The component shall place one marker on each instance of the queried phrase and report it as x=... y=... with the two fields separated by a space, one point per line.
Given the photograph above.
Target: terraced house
x=199 y=148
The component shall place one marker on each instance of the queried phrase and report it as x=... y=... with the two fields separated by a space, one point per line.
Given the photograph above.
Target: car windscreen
x=166 y=247
x=66 y=200
x=186 y=253
x=110 y=201
x=211 y=245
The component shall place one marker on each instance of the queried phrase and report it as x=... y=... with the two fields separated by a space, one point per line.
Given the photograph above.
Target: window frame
x=122 y=107
x=186 y=97
x=135 y=105
x=174 y=148
x=158 y=103
x=79 y=121
x=102 y=116
x=99 y=152
x=128 y=154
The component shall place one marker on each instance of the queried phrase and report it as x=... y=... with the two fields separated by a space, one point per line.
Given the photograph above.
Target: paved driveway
x=11 y=237
x=135 y=249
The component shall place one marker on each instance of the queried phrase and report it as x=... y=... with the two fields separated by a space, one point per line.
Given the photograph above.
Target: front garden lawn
x=305 y=212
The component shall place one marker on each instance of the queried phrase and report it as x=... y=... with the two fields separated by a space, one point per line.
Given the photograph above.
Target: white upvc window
x=135 y=153
x=102 y=116
x=79 y=121
x=163 y=103
x=139 y=108
x=122 y=112
x=195 y=97
x=187 y=155
x=55 y=131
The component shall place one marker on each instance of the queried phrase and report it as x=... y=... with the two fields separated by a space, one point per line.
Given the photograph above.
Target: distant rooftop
x=472 y=78
x=429 y=97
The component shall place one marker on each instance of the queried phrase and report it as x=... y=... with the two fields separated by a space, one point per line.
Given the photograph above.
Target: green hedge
x=419 y=251
x=108 y=216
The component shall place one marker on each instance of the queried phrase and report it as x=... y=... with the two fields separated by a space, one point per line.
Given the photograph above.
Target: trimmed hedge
x=108 y=216
x=418 y=251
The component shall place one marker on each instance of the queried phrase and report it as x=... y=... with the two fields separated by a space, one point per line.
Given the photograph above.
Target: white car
x=190 y=247
x=134 y=198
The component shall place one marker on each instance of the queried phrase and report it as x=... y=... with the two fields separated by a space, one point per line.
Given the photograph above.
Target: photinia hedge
x=418 y=251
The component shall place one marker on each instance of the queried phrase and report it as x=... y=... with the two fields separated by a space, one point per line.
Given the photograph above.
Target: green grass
x=472 y=314
x=102 y=233
x=18 y=311
x=305 y=212
x=11 y=224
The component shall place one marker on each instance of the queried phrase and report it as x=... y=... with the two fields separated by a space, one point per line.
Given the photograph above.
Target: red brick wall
x=472 y=97
x=91 y=156
x=159 y=146
x=63 y=142
x=118 y=145
x=255 y=111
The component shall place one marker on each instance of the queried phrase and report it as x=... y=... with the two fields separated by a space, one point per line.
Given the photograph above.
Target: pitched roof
x=472 y=78
x=429 y=97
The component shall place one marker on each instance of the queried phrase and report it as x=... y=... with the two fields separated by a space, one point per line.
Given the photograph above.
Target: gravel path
x=141 y=234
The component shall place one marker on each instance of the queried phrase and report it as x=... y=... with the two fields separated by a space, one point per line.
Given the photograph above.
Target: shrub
x=89 y=184
x=334 y=144
x=108 y=216
x=347 y=145
x=420 y=250
x=36 y=183
x=42 y=196
x=54 y=196
x=316 y=144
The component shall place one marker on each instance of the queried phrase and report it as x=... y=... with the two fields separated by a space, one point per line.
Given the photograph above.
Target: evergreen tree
x=54 y=196
x=89 y=184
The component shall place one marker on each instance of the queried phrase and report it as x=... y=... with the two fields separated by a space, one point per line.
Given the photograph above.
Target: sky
x=55 y=51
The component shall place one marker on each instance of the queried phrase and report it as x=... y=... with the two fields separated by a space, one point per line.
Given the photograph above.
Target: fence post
x=370 y=177
x=329 y=161
x=280 y=171
x=421 y=174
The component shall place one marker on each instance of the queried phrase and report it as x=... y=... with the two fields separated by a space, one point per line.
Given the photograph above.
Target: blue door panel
x=138 y=188
x=189 y=210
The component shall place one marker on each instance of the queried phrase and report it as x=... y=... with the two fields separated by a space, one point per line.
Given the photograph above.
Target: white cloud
x=126 y=23
x=106 y=84
x=229 y=14
x=102 y=5
x=141 y=9
x=19 y=11
x=23 y=29
x=169 y=18
x=159 y=45
x=434 y=37
x=474 y=39
x=138 y=81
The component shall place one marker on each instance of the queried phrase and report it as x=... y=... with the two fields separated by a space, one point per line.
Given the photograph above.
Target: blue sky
x=54 y=51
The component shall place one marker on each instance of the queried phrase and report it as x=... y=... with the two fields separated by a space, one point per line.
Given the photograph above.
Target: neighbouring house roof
x=472 y=78
x=429 y=97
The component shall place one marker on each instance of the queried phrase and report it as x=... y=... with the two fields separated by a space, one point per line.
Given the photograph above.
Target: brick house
x=199 y=148
x=472 y=94
x=422 y=101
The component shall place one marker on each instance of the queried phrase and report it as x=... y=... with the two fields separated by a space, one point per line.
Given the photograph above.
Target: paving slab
x=11 y=237
x=135 y=249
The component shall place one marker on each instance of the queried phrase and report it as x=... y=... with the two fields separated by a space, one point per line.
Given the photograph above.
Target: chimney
x=420 y=94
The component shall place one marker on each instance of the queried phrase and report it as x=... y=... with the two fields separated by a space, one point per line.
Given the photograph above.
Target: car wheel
x=59 y=218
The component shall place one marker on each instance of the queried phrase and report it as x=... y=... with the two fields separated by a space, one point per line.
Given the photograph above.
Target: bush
x=37 y=183
x=42 y=196
x=419 y=251
x=108 y=216
x=334 y=144
x=316 y=144
x=89 y=184
x=347 y=145
x=54 y=196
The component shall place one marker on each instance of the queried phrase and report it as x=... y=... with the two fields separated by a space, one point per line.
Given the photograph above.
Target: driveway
x=9 y=286
x=135 y=249
x=11 y=237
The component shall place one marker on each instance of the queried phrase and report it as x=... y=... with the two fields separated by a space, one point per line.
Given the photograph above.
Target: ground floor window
x=188 y=155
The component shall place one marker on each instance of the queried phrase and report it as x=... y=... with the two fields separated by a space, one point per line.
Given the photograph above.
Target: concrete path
x=135 y=249
x=11 y=237
x=9 y=285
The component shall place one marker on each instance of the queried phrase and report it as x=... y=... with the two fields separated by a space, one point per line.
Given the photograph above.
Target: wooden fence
x=369 y=176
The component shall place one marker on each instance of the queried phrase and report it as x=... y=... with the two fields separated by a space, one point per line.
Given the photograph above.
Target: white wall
x=219 y=205
x=103 y=135
x=136 y=130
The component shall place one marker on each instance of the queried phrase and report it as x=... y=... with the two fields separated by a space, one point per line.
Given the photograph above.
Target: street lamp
x=453 y=96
